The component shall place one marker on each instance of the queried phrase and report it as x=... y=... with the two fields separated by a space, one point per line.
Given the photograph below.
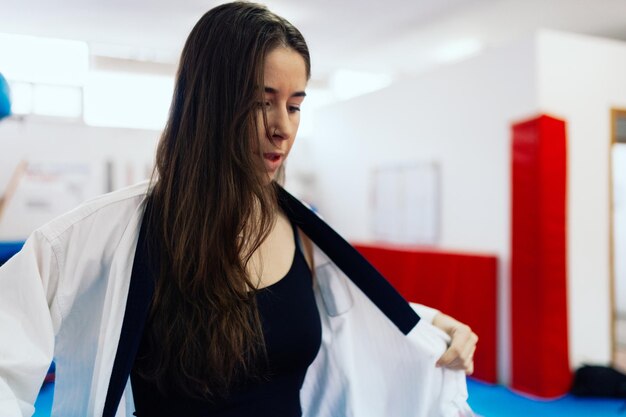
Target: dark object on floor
x=599 y=381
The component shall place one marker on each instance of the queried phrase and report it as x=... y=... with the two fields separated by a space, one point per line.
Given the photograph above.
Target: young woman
x=232 y=322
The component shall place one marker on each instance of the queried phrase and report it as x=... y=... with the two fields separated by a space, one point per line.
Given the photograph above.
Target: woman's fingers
x=460 y=353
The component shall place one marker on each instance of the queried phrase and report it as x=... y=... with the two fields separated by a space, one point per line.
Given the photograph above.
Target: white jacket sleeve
x=27 y=286
x=425 y=312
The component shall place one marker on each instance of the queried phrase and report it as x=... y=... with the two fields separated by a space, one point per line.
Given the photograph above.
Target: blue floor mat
x=43 y=405
x=497 y=401
x=486 y=400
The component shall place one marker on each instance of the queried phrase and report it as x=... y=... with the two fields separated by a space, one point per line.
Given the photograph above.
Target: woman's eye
x=294 y=109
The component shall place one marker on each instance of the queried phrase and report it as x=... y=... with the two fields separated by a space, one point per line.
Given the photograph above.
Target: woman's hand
x=460 y=353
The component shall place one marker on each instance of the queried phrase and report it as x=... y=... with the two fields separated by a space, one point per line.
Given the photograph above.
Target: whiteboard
x=406 y=203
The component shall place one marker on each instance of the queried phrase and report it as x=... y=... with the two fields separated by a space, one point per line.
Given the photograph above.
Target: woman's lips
x=272 y=160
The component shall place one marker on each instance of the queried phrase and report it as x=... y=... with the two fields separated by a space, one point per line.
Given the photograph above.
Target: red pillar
x=540 y=359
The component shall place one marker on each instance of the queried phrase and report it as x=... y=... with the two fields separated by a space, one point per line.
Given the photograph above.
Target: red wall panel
x=462 y=285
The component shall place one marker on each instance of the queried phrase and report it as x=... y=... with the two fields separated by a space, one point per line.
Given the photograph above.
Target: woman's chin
x=271 y=176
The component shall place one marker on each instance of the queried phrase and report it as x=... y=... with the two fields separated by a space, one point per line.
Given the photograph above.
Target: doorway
x=618 y=235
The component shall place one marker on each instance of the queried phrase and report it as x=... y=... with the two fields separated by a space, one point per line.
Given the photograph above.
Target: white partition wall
x=460 y=117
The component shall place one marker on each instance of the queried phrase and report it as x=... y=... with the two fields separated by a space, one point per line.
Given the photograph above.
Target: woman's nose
x=281 y=128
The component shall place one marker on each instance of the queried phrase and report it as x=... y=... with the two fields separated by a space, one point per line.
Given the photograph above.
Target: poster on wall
x=120 y=173
x=39 y=191
x=406 y=203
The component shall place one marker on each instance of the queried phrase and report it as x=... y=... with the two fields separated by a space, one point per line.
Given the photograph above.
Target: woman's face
x=284 y=84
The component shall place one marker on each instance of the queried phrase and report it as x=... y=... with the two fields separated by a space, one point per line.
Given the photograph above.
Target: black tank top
x=292 y=331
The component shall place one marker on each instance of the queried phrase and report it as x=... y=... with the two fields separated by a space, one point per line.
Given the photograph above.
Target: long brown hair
x=210 y=206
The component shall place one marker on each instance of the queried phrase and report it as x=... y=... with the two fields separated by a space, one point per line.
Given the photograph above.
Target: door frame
x=616 y=113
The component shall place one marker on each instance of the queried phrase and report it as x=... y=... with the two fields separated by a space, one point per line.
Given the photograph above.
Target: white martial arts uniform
x=63 y=296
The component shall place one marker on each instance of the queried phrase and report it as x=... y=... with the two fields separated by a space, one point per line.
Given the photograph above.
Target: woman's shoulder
x=110 y=210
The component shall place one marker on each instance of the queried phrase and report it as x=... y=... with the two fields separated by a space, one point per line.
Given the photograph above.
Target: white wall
x=580 y=79
x=459 y=116
x=47 y=140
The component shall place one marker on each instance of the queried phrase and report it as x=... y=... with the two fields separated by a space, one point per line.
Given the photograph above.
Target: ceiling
x=398 y=37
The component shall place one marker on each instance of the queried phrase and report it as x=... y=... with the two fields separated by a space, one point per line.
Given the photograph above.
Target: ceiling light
x=127 y=100
x=347 y=84
x=43 y=60
x=458 y=50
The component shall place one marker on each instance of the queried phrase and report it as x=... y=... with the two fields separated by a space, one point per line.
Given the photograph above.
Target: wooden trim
x=14 y=181
x=615 y=115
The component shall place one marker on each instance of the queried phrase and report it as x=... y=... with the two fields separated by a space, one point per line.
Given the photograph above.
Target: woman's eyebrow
x=272 y=90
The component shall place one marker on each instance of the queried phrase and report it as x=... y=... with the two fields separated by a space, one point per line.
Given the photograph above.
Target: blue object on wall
x=5 y=102
x=8 y=249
